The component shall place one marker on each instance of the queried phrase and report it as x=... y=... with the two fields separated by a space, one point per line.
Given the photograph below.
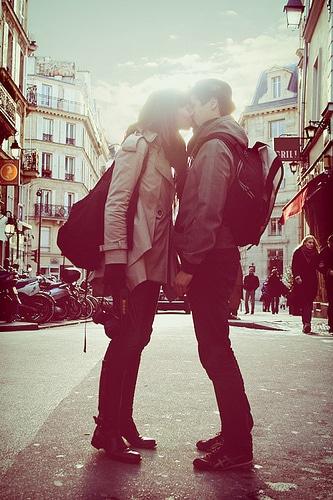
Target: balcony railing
x=32 y=94
x=30 y=159
x=48 y=211
x=7 y=105
x=46 y=173
x=55 y=102
x=69 y=177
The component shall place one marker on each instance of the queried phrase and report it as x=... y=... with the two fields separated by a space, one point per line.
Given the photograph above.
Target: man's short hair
x=211 y=87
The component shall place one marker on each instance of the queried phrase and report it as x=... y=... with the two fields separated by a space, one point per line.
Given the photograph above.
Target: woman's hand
x=182 y=282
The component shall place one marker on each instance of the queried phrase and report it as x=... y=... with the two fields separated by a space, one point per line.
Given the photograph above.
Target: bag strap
x=229 y=140
x=133 y=203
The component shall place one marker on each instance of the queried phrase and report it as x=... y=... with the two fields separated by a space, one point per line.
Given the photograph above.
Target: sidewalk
x=259 y=320
x=281 y=321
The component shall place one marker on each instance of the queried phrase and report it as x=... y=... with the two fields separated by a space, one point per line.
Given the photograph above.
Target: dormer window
x=276 y=87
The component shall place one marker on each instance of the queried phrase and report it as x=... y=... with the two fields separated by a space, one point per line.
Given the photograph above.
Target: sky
x=133 y=47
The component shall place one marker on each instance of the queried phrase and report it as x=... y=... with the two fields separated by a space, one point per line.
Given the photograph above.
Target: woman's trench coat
x=153 y=256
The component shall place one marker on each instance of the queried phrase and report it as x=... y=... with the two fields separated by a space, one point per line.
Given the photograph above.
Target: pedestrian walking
x=150 y=262
x=265 y=298
x=325 y=266
x=209 y=267
x=250 y=285
x=275 y=290
x=305 y=282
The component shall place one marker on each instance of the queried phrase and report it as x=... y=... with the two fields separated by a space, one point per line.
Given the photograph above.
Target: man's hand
x=182 y=282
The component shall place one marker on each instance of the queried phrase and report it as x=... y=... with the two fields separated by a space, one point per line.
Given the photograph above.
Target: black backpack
x=79 y=239
x=251 y=197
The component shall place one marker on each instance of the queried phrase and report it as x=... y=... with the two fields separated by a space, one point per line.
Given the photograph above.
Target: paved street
x=49 y=392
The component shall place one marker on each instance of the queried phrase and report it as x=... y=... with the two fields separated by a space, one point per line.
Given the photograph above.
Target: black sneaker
x=207 y=444
x=219 y=459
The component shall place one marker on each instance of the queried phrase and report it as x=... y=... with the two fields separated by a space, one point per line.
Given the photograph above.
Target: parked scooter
x=66 y=304
x=9 y=300
x=36 y=305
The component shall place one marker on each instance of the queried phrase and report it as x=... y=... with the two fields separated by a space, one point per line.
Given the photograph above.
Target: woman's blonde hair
x=310 y=237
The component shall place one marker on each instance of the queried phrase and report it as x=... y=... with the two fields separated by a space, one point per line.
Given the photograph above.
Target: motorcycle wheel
x=61 y=310
x=94 y=302
x=40 y=308
x=74 y=308
x=86 y=308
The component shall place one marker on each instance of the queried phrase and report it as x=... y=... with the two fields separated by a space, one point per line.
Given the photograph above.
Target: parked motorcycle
x=36 y=305
x=66 y=304
x=9 y=300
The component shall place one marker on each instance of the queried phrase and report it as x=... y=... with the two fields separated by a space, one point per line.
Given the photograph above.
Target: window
x=69 y=168
x=276 y=84
x=46 y=164
x=47 y=130
x=316 y=90
x=274 y=228
x=70 y=134
x=46 y=95
x=277 y=128
x=45 y=239
x=70 y=200
x=10 y=53
x=46 y=202
x=46 y=197
x=275 y=259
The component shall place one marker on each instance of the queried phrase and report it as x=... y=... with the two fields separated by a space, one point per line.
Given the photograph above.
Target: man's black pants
x=209 y=294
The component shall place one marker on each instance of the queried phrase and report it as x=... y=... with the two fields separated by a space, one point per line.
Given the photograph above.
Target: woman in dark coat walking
x=304 y=270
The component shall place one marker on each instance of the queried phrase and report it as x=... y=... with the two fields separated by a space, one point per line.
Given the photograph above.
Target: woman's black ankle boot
x=131 y=434
x=113 y=445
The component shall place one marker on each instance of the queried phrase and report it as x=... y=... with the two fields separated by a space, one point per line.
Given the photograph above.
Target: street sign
x=9 y=172
x=288 y=148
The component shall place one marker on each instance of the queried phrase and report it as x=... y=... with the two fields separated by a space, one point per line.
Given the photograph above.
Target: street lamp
x=9 y=232
x=15 y=149
x=294 y=10
x=39 y=195
x=314 y=125
x=293 y=167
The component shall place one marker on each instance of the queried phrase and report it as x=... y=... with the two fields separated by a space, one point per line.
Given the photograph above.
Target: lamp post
x=9 y=232
x=39 y=195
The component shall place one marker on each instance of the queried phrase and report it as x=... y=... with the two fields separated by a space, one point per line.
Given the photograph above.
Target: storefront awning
x=320 y=186
x=294 y=206
x=23 y=226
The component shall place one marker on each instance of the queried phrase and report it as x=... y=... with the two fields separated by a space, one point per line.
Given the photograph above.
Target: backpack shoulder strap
x=229 y=140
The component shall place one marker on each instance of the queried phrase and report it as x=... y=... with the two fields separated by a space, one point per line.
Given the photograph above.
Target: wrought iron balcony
x=30 y=159
x=32 y=94
x=7 y=105
x=48 y=211
x=54 y=102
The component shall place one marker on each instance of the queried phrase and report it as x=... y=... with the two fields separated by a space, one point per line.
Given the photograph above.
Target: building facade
x=65 y=153
x=314 y=196
x=15 y=49
x=273 y=113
